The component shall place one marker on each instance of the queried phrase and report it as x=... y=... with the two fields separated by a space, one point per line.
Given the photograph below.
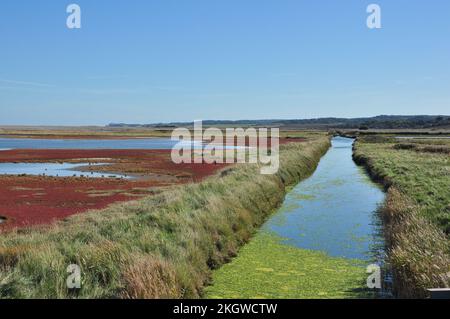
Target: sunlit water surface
x=335 y=210
x=54 y=169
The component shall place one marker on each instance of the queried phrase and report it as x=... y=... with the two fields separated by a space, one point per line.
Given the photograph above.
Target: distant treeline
x=377 y=122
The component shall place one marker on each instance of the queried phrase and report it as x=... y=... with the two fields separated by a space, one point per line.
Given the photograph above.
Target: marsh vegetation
x=162 y=246
x=417 y=210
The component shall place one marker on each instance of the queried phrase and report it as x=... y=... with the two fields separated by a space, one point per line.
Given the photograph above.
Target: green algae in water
x=332 y=212
x=300 y=196
x=267 y=268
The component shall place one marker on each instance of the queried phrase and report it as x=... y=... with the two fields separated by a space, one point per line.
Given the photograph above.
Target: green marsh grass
x=416 y=213
x=162 y=246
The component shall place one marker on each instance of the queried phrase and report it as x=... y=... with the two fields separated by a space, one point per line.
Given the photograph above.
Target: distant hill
x=377 y=122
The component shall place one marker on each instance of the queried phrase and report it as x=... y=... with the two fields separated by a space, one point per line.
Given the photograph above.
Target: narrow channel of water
x=436 y=137
x=318 y=244
x=334 y=210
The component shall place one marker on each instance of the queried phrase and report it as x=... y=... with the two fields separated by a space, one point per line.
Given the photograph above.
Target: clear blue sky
x=145 y=61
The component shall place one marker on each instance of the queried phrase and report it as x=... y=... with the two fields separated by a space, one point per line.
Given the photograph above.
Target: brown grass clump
x=424 y=149
x=148 y=277
x=9 y=256
x=419 y=250
x=436 y=149
x=405 y=146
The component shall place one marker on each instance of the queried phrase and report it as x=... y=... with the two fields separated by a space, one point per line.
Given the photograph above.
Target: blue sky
x=145 y=61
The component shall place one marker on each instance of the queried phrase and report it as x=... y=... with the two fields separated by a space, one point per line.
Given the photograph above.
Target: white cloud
x=25 y=83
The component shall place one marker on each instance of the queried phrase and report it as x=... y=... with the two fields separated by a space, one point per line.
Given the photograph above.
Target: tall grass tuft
x=419 y=251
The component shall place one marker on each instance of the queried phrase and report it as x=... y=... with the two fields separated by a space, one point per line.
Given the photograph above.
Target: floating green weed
x=267 y=268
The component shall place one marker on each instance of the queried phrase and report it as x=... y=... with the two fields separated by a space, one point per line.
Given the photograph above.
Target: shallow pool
x=54 y=169
x=143 y=143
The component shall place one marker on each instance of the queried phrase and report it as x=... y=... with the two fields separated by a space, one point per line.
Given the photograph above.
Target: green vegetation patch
x=267 y=268
x=422 y=176
x=416 y=214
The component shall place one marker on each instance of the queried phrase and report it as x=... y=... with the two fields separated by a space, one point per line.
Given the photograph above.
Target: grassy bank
x=417 y=210
x=163 y=246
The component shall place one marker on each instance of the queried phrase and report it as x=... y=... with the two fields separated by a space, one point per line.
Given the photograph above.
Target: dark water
x=334 y=210
x=437 y=137
x=147 y=143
